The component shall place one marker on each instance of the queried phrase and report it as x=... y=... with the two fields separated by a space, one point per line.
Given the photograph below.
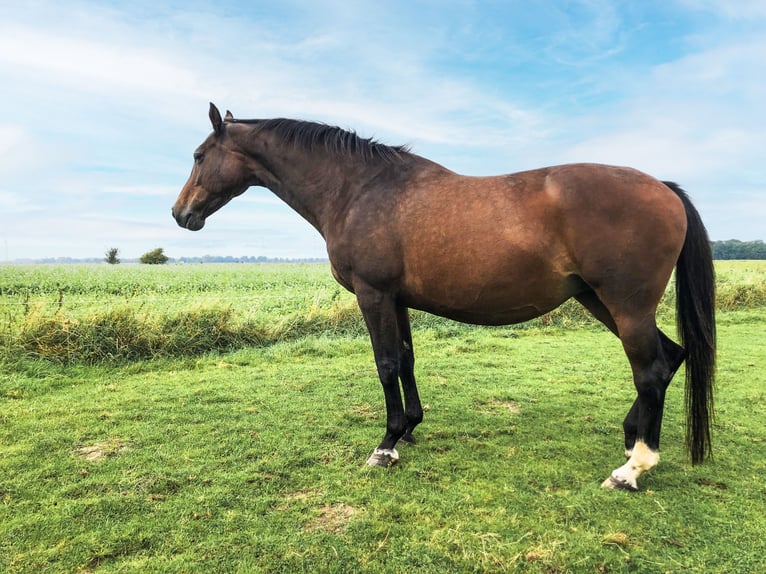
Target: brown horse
x=404 y=232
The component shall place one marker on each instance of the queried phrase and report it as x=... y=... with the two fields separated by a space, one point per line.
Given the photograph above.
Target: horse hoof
x=384 y=457
x=613 y=483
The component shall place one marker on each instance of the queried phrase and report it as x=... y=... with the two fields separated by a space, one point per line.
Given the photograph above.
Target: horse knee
x=388 y=371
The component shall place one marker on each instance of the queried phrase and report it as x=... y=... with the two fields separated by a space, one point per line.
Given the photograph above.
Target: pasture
x=210 y=418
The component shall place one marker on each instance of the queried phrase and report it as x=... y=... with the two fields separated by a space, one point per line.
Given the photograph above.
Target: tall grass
x=99 y=313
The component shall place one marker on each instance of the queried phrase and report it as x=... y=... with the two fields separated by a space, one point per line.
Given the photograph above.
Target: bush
x=154 y=257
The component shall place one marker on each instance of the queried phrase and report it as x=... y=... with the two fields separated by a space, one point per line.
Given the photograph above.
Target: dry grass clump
x=132 y=332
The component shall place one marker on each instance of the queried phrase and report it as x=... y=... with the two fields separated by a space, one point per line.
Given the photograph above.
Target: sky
x=103 y=104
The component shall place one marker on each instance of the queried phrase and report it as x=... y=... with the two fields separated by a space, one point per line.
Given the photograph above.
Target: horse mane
x=315 y=135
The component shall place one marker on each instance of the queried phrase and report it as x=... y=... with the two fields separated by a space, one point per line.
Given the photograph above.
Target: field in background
x=212 y=418
x=103 y=313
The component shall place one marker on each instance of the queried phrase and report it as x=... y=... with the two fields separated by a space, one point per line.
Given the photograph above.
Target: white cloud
x=99 y=65
x=19 y=150
x=697 y=119
x=13 y=203
x=141 y=190
x=589 y=31
x=740 y=10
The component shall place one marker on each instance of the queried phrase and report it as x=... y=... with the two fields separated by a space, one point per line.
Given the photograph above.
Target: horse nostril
x=188 y=220
x=180 y=217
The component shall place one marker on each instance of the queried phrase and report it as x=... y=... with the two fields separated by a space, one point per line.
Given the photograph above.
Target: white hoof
x=383 y=457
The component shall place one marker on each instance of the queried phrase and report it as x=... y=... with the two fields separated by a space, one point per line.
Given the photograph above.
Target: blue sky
x=104 y=102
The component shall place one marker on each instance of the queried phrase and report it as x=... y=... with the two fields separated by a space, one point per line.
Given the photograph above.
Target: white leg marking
x=642 y=458
x=383 y=457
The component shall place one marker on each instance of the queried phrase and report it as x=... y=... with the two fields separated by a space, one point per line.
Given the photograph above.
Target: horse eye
x=198 y=156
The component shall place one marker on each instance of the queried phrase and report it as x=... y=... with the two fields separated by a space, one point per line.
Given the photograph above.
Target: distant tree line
x=735 y=249
x=247 y=259
x=157 y=256
x=728 y=249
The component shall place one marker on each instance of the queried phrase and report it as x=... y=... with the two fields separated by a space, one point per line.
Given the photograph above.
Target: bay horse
x=404 y=232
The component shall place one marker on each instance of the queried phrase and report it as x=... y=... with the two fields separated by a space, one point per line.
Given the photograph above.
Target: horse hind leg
x=654 y=358
x=675 y=355
x=592 y=303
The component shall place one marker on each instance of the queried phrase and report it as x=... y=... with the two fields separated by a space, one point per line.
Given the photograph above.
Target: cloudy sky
x=104 y=102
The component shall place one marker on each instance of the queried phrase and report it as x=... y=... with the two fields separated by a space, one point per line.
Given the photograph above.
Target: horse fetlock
x=641 y=459
x=407 y=438
x=413 y=420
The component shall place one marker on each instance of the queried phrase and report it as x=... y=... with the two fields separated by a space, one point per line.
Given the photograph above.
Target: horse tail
x=695 y=310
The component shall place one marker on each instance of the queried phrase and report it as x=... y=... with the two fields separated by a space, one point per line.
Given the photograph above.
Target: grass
x=91 y=314
x=102 y=313
x=251 y=460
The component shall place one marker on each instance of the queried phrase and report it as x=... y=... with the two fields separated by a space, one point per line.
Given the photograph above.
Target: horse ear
x=215 y=119
x=228 y=117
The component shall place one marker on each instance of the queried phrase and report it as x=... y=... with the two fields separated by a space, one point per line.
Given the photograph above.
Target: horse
x=403 y=232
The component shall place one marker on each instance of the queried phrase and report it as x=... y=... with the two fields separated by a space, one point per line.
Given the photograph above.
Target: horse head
x=218 y=175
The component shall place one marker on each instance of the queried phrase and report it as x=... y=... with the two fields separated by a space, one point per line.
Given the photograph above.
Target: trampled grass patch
x=181 y=445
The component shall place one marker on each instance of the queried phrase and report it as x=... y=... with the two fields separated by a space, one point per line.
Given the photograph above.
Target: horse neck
x=319 y=185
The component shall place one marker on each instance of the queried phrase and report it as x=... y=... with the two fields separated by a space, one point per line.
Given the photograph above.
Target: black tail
x=695 y=308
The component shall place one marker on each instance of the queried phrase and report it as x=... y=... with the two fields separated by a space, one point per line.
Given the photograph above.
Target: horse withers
x=404 y=232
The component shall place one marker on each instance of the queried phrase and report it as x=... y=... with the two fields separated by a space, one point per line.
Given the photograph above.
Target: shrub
x=154 y=257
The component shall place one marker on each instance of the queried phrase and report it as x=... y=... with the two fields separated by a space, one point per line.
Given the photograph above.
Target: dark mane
x=314 y=135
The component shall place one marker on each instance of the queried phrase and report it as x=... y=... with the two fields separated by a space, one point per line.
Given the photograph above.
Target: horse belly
x=485 y=291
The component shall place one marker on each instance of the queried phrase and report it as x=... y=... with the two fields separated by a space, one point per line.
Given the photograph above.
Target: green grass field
x=234 y=438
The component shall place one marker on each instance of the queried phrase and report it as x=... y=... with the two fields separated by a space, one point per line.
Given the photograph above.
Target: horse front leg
x=380 y=315
x=413 y=410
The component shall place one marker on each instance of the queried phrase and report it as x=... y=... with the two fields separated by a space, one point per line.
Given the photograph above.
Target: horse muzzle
x=188 y=219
